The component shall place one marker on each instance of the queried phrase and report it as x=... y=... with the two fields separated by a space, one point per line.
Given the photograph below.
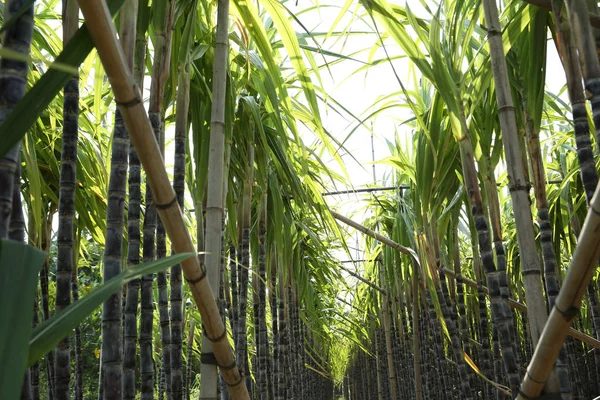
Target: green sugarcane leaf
x=43 y=92
x=19 y=267
x=47 y=335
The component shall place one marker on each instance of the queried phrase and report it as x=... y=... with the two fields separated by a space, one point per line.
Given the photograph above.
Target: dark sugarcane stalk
x=66 y=204
x=500 y=311
x=498 y=368
x=461 y=297
x=283 y=343
x=428 y=359
x=111 y=309
x=451 y=322
x=416 y=344
x=147 y=302
x=261 y=309
x=378 y=366
x=242 y=348
x=151 y=224
x=290 y=323
x=78 y=346
x=438 y=341
x=176 y=282
x=132 y=298
x=484 y=338
x=163 y=310
x=44 y=282
x=276 y=359
x=585 y=156
x=111 y=351
x=164 y=20
x=299 y=350
x=13 y=82
x=188 y=370
x=496 y=226
x=386 y=321
x=163 y=294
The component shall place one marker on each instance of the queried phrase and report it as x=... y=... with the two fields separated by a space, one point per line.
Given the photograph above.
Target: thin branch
x=368 y=282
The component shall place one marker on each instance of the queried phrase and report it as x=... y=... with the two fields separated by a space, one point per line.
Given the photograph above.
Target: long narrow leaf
x=41 y=94
x=47 y=335
x=19 y=267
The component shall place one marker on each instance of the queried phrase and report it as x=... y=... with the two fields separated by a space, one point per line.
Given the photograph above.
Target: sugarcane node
x=493 y=32
x=217 y=339
x=236 y=383
x=530 y=272
x=129 y=104
x=228 y=367
x=194 y=281
x=533 y=379
x=516 y=187
x=569 y=314
x=594 y=210
x=208 y=358
x=507 y=107
x=166 y=205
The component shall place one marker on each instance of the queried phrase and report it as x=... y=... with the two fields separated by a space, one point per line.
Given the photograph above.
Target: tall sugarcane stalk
x=585 y=156
x=416 y=345
x=276 y=358
x=78 y=383
x=188 y=369
x=103 y=33
x=111 y=350
x=518 y=187
x=546 y=242
x=567 y=304
x=260 y=306
x=244 y=265
x=13 y=82
x=587 y=251
x=133 y=230
x=66 y=204
x=283 y=389
x=214 y=209
x=163 y=23
x=181 y=124
x=385 y=316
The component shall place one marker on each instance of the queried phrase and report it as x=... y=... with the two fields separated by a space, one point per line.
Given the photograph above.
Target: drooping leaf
x=48 y=334
x=19 y=267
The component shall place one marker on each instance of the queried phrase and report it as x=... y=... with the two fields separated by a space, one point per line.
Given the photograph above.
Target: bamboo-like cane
x=567 y=303
x=512 y=303
x=375 y=235
x=128 y=98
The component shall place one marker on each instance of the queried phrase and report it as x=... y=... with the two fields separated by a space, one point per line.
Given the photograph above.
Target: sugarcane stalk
x=128 y=98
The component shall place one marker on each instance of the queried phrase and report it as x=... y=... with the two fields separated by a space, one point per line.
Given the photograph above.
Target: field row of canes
x=170 y=213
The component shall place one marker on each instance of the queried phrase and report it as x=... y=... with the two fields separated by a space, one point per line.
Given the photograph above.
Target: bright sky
x=361 y=90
